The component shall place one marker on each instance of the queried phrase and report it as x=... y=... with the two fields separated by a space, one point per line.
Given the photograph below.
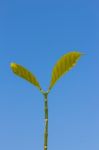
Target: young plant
x=64 y=64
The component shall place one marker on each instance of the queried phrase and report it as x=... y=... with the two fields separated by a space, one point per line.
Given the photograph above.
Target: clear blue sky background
x=35 y=34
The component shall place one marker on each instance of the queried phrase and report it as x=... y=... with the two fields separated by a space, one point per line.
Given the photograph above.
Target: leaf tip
x=12 y=65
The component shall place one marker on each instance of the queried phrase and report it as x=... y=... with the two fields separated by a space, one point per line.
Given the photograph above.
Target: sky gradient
x=36 y=34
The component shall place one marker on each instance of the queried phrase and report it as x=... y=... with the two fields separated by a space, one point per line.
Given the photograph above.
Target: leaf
x=25 y=74
x=64 y=64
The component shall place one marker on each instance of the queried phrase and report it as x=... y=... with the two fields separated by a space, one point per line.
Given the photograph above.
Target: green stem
x=46 y=120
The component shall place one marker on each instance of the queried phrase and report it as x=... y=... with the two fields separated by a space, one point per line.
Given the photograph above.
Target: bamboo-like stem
x=46 y=120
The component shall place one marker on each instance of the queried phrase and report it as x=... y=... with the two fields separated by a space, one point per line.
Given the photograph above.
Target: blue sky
x=36 y=34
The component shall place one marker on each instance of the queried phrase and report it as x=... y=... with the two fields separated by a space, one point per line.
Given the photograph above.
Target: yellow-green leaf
x=25 y=74
x=64 y=64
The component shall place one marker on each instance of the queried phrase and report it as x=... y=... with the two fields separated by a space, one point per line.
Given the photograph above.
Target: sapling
x=64 y=64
